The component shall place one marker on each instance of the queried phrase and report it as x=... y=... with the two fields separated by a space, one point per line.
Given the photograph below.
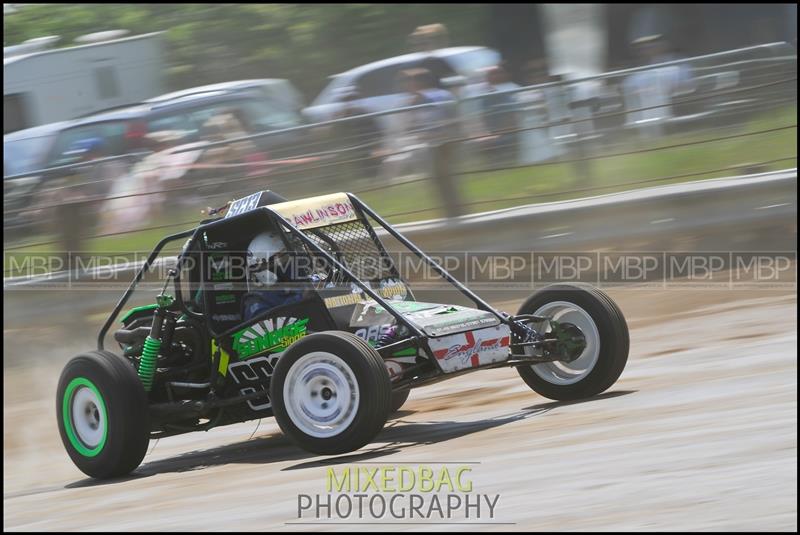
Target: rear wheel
x=330 y=392
x=587 y=311
x=101 y=408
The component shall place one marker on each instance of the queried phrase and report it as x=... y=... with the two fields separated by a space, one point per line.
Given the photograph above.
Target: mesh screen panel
x=354 y=246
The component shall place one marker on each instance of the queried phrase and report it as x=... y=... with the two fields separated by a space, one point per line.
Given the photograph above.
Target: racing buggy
x=331 y=363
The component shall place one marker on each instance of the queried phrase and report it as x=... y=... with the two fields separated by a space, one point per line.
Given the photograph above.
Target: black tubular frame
x=480 y=303
x=139 y=275
x=286 y=227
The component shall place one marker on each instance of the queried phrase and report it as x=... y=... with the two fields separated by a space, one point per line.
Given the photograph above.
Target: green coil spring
x=147 y=364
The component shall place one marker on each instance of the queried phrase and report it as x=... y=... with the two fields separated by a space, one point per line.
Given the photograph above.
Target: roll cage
x=275 y=216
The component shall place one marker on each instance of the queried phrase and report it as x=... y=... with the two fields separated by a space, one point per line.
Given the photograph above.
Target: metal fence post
x=444 y=180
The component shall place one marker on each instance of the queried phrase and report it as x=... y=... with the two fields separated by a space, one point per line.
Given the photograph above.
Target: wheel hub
x=577 y=339
x=321 y=394
x=571 y=341
x=86 y=417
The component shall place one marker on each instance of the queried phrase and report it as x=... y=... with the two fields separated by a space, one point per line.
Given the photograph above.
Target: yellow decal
x=224 y=357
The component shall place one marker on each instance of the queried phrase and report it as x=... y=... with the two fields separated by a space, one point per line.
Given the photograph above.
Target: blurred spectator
x=470 y=104
x=433 y=120
x=428 y=37
x=426 y=84
x=75 y=194
x=398 y=125
x=357 y=135
x=255 y=158
x=650 y=91
x=127 y=207
x=498 y=103
x=233 y=159
x=223 y=126
x=410 y=133
x=475 y=84
x=500 y=108
x=536 y=141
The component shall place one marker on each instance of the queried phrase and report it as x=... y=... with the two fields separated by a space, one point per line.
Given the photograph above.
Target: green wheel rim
x=66 y=414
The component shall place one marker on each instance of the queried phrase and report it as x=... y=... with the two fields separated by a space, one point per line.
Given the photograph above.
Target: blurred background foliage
x=208 y=43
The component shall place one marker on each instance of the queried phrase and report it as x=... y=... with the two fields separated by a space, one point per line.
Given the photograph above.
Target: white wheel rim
x=321 y=394
x=567 y=373
x=88 y=418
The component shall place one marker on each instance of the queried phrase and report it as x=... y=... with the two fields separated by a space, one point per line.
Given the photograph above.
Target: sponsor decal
x=324 y=215
x=461 y=324
x=317 y=211
x=226 y=317
x=393 y=289
x=254 y=376
x=219 y=267
x=372 y=333
x=394 y=292
x=270 y=335
x=472 y=348
x=225 y=299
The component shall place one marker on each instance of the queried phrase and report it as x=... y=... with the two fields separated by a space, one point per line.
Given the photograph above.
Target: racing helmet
x=259 y=253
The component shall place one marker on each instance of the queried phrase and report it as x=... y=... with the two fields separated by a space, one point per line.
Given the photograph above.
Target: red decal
x=487 y=343
x=470 y=340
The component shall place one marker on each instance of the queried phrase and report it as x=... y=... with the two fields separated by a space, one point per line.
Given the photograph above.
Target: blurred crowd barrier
x=464 y=146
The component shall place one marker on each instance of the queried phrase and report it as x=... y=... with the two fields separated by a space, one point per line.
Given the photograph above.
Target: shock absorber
x=152 y=344
x=148 y=360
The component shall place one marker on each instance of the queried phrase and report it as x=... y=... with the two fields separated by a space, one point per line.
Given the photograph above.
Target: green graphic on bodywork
x=266 y=336
x=218 y=268
x=133 y=311
x=407 y=306
x=407 y=352
x=66 y=405
x=224 y=299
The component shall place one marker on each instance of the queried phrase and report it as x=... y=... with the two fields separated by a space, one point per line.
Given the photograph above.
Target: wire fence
x=738 y=107
x=307 y=157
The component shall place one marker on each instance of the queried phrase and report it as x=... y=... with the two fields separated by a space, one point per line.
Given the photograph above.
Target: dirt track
x=700 y=433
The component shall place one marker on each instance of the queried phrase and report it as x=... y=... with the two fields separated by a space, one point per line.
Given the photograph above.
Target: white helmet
x=261 y=249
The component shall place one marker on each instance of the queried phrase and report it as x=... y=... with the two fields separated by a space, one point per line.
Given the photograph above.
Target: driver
x=268 y=265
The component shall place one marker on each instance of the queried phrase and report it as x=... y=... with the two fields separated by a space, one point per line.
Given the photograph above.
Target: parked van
x=60 y=84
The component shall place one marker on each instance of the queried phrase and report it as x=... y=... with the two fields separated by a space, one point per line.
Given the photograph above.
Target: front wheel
x=399 y=398
x=604 y=331
x=330 y=392
x=101 y=408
